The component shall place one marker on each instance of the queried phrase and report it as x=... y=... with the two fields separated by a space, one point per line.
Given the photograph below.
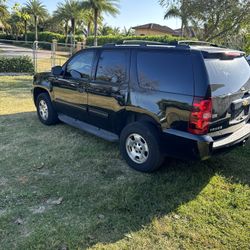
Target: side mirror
x=57 y=70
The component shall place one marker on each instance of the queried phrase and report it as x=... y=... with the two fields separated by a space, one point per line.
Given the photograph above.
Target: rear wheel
x=45 y=110
x=140 y=147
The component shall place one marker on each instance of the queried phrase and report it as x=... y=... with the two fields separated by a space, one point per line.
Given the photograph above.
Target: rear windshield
x=166 y=71
x=228 y=76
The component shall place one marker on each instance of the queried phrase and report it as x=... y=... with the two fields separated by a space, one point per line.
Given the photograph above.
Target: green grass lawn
x=61 y=188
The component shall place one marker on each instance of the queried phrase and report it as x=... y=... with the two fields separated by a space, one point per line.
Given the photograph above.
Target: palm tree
x=61 y=15
x=16 y=25
x=106 y=30
x=36 y=9
x=180 y=9
x=4 y=13
x=69 y=10
x=128 y=32
x=98 y=7
x=175 y=12
x=88 y=20
x=24 y=17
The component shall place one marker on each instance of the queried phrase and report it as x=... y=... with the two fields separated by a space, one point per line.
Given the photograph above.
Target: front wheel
x=45 y=110
x=140 y=147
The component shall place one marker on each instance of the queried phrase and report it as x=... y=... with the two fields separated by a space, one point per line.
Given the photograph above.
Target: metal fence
x=43 y=54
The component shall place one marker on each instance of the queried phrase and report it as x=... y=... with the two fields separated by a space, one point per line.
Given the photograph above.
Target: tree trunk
x=66 y=31
x=25 y=30
x=96 y=20
x=36 y=32
x=182 y=28
x=73 y=26
x=66 y=28
x=88 y=28
x=73 y=30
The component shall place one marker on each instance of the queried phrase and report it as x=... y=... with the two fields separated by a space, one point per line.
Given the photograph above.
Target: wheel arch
x=39 y=90
x=130 y=116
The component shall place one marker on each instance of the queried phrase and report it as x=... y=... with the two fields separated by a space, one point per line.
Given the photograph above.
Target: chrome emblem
x=245 y=103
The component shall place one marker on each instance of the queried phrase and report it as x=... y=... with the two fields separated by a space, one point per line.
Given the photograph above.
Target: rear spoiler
x=223 y=55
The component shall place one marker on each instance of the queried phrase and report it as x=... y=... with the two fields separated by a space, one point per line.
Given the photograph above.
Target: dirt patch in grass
x=71 y=190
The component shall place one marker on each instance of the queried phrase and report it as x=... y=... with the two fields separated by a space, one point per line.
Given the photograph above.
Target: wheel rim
x=43 y=110
x=137 y=148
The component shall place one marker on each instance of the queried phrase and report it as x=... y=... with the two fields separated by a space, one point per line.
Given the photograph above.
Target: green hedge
x=119 y=38
x=46 y=36
x=22 y=64
x=247 y=44
x=49 y=36
x=42 y=36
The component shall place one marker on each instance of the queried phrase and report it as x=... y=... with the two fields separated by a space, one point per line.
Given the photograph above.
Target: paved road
x=12 y=51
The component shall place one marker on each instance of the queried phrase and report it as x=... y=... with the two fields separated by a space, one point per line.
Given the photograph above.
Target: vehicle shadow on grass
x=116 y=201
x=136 y=204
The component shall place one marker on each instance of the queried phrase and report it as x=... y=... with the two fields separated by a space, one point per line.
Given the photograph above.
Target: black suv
x=181 y=100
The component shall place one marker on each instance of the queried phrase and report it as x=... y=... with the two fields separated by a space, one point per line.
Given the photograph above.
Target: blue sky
x=132 y=13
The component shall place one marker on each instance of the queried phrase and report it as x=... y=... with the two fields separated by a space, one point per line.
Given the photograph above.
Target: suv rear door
x=229 y=78
x=106 y=93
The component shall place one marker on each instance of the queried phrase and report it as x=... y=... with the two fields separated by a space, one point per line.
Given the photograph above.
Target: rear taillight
x=200 y=116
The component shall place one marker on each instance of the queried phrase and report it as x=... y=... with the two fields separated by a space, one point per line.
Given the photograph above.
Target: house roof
x=154 y=26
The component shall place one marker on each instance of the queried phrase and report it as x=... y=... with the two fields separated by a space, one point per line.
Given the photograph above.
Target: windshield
x=228 y=76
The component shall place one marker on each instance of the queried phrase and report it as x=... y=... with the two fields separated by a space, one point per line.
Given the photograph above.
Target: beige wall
x=149 y=32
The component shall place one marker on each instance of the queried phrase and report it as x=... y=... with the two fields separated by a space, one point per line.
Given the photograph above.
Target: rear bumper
x=184 y=145
x=236 y=137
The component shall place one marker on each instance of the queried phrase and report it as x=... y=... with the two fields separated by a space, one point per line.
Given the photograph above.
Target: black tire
x=52 y=117
x=154 y=158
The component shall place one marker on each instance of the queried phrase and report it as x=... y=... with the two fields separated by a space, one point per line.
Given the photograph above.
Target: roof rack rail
x=143 y=42
x=193 y=42
x=146 y=43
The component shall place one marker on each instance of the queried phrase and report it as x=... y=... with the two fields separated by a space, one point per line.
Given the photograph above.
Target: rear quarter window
x=166 y=71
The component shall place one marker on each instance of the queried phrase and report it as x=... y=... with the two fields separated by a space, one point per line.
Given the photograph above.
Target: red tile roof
x=157 y=27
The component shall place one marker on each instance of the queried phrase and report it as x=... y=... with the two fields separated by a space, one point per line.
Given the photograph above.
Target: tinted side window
x=165 y=71
x=112 y=67
x=81 y=63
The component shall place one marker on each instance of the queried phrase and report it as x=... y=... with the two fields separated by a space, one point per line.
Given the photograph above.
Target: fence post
x=84 y=41
x=78 y=46
x=34 y=48
x=53 y=52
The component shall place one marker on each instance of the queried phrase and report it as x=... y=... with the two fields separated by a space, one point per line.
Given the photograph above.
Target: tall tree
x=182 y=9
x=88 y=20
x=36 y=9
x=16 y=25
x=220 y=19
x=98 y=7
x=60 y=15
x=69 y=10
x=24 y=16
x=4 y=13
x=128 y=31
x=106 y=30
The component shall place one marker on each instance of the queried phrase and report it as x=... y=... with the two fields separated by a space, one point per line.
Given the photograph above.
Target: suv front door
x=107 y=92
x=70 y=89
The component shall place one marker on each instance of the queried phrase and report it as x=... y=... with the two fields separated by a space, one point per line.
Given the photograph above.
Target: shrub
x=43 y=37
x=7 y=37
x=119 y=38
x=46 y=37
x=49 y=36
x=247 y=44
x=22 y=64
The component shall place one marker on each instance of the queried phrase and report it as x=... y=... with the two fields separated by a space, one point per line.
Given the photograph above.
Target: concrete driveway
x=13 y=51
